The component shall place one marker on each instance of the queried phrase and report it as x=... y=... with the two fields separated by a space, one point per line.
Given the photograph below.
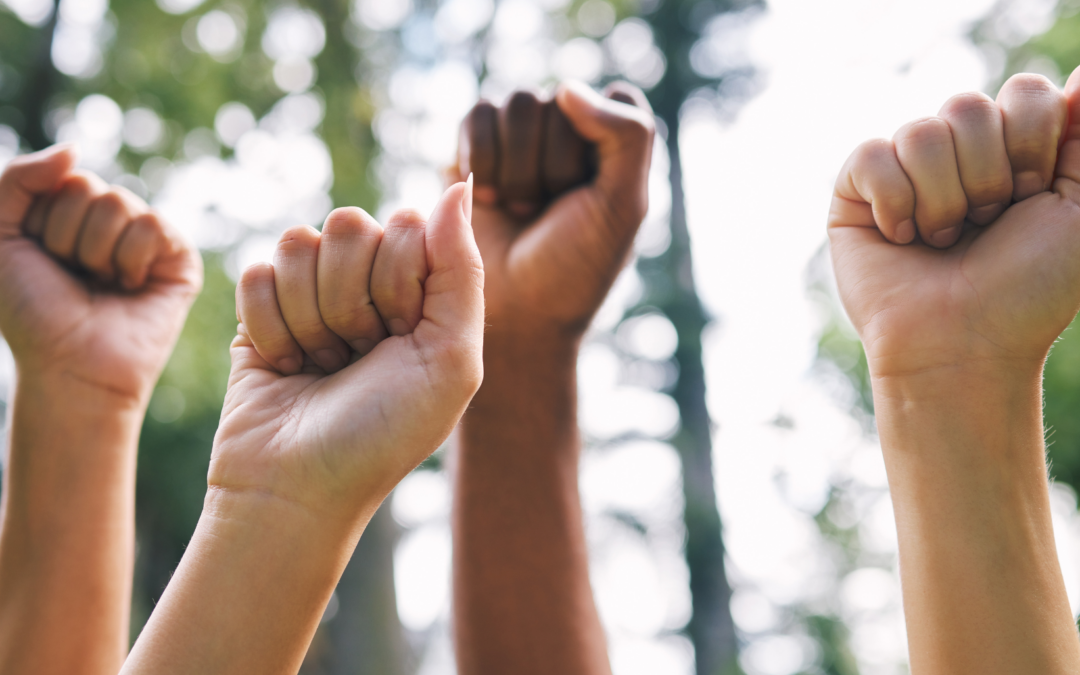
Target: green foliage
x=1060 y=43
x=1061 y=384
x=832 y=637
x=174 y=453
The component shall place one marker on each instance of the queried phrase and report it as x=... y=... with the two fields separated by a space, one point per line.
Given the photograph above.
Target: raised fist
x=561 y=188
x=956 y=242
x=93 y=284
x=358 y=350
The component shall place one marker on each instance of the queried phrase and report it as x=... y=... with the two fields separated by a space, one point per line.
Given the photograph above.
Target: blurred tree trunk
x=669 y=281
x=670 y=287
x=41 y=84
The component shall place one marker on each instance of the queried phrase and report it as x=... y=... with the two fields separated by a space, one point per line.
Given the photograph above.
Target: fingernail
x=1027 y=184
x=984 y=215
x=289 y=365
x=905 y=232
x=946 y=237
x=466 y=199
x=398 y=327
x=329 y=360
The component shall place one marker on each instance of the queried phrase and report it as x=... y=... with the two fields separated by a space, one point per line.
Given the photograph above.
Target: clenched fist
x=358 y=350
x=956 y=242
x=93 y=284
x=561 y=188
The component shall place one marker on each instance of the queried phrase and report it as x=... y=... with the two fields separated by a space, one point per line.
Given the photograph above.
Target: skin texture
x=956 y=328
x=522 y=599
x=356 y=354
x=94 y=289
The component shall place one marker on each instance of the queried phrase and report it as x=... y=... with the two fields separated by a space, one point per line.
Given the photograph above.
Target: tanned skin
x=94 y=289
x=955 y=246
x=555 y=220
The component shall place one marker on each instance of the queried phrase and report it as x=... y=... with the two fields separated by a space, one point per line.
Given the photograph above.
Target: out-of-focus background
x=721 y=382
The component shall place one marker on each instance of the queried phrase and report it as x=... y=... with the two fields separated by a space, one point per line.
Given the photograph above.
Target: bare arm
x=88 y=347
x=356 y=354
x=68 y=530
x=983 y=591
x=955 y=247
x=522 y=598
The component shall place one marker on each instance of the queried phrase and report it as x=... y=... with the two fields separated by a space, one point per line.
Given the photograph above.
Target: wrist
x=958 y=386
x=541 y=363
x=64 y=389
x=977 y=425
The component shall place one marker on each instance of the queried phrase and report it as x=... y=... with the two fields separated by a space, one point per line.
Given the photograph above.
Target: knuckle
x=522 y=100
x=969 y=104
x=1029 y=85
x=149 y=223
x=298 y=238
x=256 y=275
x=408 y=219
x=873 y=152
x=111 y=203
x=77 y=186
x=347 y=219
x=923 y=132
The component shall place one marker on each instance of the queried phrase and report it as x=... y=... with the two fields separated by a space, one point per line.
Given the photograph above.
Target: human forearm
x=250 y=590
x=522 y=598
x=983 y=592
x=67 y=537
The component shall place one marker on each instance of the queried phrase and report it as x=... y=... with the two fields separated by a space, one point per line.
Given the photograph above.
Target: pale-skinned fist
x=94 y=285
x=957 y=243
x=553 y=235
x=358 y=350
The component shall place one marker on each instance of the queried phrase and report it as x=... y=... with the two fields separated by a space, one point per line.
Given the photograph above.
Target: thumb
x=1068 y=163
x=28 y=177
x=454 y=289
x=623 y=134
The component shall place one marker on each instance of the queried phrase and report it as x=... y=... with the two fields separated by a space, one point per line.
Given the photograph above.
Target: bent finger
x=296 y=281
x=67 y=212
x=350 y=240
x=926 y=153
x=399 y=272
x=106 y=220
x=28 y=177
x=1035 y=114
x=521 y=129
x=257 y=307
x=979 y=138
x=478 y=150
x=623 y=135
x=873 y=191
x=565 y=157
